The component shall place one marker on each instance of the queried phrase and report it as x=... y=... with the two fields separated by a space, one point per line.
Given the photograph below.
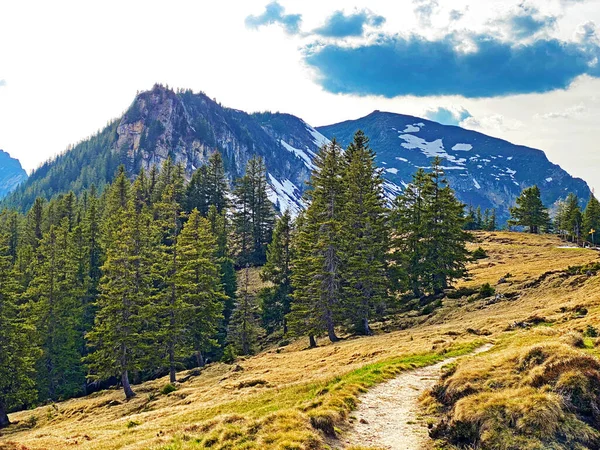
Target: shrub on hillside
x=479 y=253
x=544 y=396
x=486 y=290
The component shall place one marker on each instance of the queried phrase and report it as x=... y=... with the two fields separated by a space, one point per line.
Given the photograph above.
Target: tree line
x=570 y=221
x=141 y=280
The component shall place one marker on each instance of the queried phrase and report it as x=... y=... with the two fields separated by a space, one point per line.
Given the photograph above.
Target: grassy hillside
x=294 y=398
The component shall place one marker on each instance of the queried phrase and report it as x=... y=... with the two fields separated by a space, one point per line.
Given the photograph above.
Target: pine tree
x=591 y=220
x=430 y=242
x=253 y=214
x=198 y=285
x=120 y=341
x=572 y=217
x=530 y=211
x=365 y=237
x=409 y=225
x=218 y=186
x=17 y=350
x=219 y=227
x=55 y=295
x=316 y=275
x=446 y=253
x=168 y=211
x=244 y=331
x=275 y=301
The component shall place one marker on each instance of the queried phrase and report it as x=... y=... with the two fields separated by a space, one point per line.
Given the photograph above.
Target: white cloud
x=568 y=113
x=493 y=123
x=2 y=83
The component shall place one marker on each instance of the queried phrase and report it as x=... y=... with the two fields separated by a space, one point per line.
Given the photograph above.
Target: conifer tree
x=446 y=253
x=198 y=285
x=120 y=340
x=18 y=352
x=244 y=331
x=365 y=237
x=572 y=217
x=253 y=214
x=219 y=226
x=168 y=211
x=591 y=220
x=275 y=301
x=409 y=225
x=316 y=275
x=529 y=211
x=55 y=295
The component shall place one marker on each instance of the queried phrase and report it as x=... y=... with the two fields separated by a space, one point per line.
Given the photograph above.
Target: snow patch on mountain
x=431 y=149
x=476 y=184
x=392 y=170
x=285 y=195
x=300 y=153
x=462 y=147
x=318 y=138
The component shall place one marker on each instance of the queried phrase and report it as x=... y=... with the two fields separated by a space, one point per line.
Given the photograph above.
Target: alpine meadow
x=356 y=244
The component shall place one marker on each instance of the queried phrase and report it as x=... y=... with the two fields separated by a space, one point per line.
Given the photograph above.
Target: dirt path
x=387 y=416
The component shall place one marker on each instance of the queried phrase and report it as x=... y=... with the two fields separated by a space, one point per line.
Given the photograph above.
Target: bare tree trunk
x=200 y=359
x=331 y=331
x=126 y=386
x=172 y=372
x=313 y=341
x=366 y=328
x=4 y=422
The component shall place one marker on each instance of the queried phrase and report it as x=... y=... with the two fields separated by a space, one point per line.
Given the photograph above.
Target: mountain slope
x=189 y=127
x=11 y=174
x=484 y=171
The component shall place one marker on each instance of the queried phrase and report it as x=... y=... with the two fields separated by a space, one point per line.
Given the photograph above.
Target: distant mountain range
x=11 y=174
x=187 y=126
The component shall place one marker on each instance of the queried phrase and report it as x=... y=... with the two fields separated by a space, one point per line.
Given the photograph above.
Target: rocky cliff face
x=11 y=174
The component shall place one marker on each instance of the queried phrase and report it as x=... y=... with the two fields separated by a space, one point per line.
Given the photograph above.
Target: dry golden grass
x=287 y=397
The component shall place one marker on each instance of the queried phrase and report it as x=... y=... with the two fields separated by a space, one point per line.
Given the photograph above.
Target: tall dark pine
x=276 y=301
x=591 y=221
x=253 y=214
x=409 y=244
x=365 y=237
x=18 y=352
x=168 y=212
x=55 y=297
x=198 y=285
x=529 y=211
x=121 y=340
x=446 y=253
x=316 y=275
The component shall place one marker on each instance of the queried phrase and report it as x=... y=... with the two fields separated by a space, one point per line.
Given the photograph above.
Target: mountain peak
x=11 y=173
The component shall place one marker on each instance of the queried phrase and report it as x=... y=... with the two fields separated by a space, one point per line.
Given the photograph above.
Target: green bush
x=486 y=290
x=479 y=253
x=229 y=355
x=167 y=389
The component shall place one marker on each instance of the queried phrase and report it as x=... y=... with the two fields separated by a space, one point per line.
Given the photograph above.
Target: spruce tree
x=591 y=220
x=198 y=286
x=168 y=212
x=365 y=237
x=275 y=301
x=409 y=225
x=572 y=217
x=316 y=275
x=244 y=331
x=446 y=253
x=120 y=341
x=18 y=352
x=529 y=211
x=55 y=295
x=253 y=214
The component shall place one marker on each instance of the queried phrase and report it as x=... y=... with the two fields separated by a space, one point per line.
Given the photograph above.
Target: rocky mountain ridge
x=189 y=127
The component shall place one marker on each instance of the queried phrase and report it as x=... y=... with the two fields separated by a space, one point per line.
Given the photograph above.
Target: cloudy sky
x=526 y=71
